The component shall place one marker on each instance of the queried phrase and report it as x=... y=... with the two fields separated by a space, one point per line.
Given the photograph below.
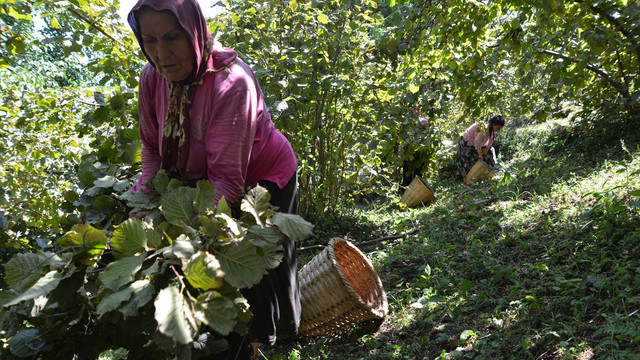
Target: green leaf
x=466 y=335
x=42 y=287
x=129 y=238
x=27 y=343
x=293 y=226
x=154 y=239
x=174 y=315
x=242 y=265
x=163 y=184
x=120 y=272
x=143 y=292
x=121 y=186
x=466 y=286
x=177 y=205
x=106 y=182
x=205 y=194
x=270 y=233
x=23 y=270
x=160 y=182
x=231 y=224
x=18 y=13
x=272 y=253
x=203 y=271
x=184 y=248
x=117 y=101
x=6 y=296
x=16 y=45
x=139 y=199
x=323 y=18
x=86 y=241
x=113 y=300
x=217 y=311
x=256 y=202
x=210 y=226
x=223 y=207
x=154 y=269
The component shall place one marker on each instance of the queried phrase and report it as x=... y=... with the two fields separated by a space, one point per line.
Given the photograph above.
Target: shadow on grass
x=505 y=276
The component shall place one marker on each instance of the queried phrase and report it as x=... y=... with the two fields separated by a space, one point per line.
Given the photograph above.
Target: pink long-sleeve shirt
x=234 y=143
x=477 y=137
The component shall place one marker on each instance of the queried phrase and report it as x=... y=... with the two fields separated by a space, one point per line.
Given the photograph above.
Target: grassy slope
x=540 y=263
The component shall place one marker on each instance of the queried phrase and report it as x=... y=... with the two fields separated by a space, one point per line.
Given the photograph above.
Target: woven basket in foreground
x=479 y=171
x=418 y=193
x=339 y=288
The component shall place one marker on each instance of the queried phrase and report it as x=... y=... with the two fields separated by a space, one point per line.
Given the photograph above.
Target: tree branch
x=618 y=27
x=94 y=25
x=618 y=86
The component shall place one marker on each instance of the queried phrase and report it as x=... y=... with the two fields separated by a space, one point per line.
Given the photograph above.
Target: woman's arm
x=231 y=132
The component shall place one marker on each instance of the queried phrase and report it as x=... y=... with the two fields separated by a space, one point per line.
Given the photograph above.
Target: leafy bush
x=168 y=284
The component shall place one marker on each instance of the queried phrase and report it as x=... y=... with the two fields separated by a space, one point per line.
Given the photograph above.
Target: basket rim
x=418 y=192
x=345 y=283
x=424 y=183
x=478 y=169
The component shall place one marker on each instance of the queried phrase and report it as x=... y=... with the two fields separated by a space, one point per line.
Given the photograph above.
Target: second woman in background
x=475 y=144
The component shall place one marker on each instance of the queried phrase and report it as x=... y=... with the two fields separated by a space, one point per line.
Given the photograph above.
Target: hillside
x=539 y=263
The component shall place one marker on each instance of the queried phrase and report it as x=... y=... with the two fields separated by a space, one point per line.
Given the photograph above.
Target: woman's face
x=497 y=128
x=167 y=44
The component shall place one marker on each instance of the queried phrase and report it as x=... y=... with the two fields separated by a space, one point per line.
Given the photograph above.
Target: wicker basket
x=339 y=288
x=418 y=193
x=479 y=171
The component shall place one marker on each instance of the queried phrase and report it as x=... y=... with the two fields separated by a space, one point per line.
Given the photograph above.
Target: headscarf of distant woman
x=494 y=120
x=176 y=135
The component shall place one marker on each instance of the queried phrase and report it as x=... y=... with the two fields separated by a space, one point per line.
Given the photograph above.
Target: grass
x=539 y=263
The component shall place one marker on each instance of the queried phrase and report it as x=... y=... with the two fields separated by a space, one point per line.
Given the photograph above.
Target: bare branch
x=608 y=78
x=93 y=24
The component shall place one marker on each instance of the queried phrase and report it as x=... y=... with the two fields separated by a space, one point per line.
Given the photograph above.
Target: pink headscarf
x=177 y=127
x=191 y=20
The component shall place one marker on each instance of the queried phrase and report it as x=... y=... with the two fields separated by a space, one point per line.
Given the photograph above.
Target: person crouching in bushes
x=475 y=144
x=412 y=168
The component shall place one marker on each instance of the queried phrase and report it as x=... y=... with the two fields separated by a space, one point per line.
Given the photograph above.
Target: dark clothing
x=275 y=301
x=411 y=169
x=467 y=157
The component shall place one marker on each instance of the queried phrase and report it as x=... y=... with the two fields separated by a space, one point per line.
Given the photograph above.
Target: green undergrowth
x=541 y=262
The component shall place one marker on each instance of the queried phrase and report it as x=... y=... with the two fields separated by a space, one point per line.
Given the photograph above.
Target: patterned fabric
x=177 y=124
x=467 y=157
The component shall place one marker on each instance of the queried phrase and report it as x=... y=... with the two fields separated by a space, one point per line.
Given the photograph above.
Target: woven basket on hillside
x=339 y=288
x=479 y=171
x=418 y=193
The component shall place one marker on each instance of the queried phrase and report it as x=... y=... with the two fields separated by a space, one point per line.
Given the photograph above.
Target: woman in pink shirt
x=203 y=116
x=475 y=143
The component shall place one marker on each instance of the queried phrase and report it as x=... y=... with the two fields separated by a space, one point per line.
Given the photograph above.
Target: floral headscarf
x=177 y=125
